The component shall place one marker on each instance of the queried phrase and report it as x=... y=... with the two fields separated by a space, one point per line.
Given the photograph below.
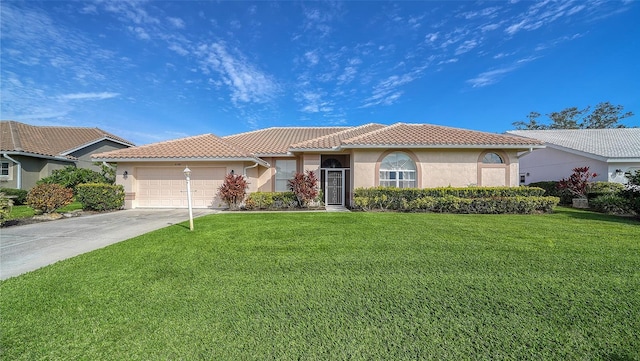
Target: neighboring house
x=608 y=152
x=345 y=158
x=29 y=153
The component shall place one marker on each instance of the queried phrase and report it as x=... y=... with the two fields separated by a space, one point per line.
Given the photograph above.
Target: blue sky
x=155 y=70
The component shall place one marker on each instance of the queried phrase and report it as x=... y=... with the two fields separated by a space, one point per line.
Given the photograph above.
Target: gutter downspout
x=244 y=172
x=19 y=176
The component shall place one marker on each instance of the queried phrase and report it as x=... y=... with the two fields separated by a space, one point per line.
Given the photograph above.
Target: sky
x=149 y=71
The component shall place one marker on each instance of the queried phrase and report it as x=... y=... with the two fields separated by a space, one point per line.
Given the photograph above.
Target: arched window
x=331 y=163
x=398 y=170
x=492 y=158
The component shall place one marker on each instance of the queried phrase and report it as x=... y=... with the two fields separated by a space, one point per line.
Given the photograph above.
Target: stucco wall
x=440 y=168
x=550 y=164
x=84 y=154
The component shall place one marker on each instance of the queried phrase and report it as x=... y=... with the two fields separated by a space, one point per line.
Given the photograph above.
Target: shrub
x=551 y=189
x=631 y=191
x=610 y=203
x=233 y=190
x=5 y=207
x=70 y=177
x=271 y=200
x=455 y=200
x=305 y=187
x=19 y=196
x=578 y=182
x=100 y=196
x=46 y=198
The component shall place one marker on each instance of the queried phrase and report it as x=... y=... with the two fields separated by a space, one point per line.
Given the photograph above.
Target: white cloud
x=139 y=32
x=89 y=96
x=466 y=47
x=489 y=77
x=247 y=83
x=176 y=22
x=178 y=49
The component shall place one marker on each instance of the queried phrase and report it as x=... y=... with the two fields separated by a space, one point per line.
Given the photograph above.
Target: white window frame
x=400 y=173
x=2 y=169
x=285 y=170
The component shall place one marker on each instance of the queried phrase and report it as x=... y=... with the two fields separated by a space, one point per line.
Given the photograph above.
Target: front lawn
x=335 y=286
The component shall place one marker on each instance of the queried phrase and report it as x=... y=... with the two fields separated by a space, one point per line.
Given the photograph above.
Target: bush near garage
x=485 y=200
x=271 y=201
x=19 y=196
x=100 y=196
x=46 y=198
x=70 y=176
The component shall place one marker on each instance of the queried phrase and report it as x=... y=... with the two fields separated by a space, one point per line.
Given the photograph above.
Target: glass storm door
x=335 y=187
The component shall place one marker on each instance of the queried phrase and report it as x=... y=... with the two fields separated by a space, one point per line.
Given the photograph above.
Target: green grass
x=338 y=286
x=24 y=211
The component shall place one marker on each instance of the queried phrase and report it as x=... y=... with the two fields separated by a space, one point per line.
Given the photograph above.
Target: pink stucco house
x=345 y=158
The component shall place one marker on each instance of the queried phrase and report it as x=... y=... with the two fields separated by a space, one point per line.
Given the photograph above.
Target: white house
x=608 y=152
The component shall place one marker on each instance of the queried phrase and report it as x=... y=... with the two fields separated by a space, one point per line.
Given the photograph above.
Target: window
x=398 y=170
x=4 y=169
x=492 y=158
x=285 y=170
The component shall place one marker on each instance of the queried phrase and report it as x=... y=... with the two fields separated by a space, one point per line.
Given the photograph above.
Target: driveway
x=29 y=247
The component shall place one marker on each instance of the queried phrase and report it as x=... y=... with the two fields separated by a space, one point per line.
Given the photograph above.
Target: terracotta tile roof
x=202 y=147
x=334 y=140
x=427 y=135
x=608 y=143
x=277 y=141
x=49 y=141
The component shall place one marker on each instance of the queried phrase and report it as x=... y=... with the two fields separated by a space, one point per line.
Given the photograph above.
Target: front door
x=334 y=187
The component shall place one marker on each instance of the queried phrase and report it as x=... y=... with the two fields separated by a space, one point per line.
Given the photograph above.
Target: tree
x=604 y=115
x=305 y=187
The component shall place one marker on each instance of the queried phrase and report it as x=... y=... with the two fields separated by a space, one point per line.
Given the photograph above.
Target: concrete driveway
x=29 y=247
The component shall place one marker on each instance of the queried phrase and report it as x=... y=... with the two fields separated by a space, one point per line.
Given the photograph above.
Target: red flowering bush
x=305 y=187
x=578 y=182
x=233 y=190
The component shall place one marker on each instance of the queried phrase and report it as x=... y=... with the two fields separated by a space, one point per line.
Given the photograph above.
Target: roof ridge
x=285 y=127
x=327 y=136
x=373 y=131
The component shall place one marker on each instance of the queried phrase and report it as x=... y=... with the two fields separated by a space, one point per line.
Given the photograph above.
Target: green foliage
x=100 y=196
x=233 y=190
x=340 y=286
x=631 y=191
x=611 y=204
x=108 y=172
x=6 y=204
x=271 y=201
x=551 y=189
x=604 y=115
x=70 y=177
x=46 y=198
x=19 y=196
x=455 y=200
x=597 y=189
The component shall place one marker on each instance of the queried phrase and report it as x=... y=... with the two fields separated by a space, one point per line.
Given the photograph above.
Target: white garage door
x=166 y=187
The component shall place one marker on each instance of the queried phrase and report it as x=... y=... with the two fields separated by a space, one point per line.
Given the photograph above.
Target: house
x=608 y=152
x=29 y=153
x=345 y=158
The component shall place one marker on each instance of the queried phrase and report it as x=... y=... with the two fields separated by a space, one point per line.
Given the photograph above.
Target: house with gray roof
x=29 y=153
x=608 y=152
x=344 y=158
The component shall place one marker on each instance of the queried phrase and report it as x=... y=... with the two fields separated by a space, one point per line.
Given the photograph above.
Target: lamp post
x=187 y=174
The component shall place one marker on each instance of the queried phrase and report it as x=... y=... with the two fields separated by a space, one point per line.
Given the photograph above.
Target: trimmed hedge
x=611 y=204
x=485 y=200
x=271 y=200
x=551 y=189
x=19 y=196
x=46 y=198
x=100 y=196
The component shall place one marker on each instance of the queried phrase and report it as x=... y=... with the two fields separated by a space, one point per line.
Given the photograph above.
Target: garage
x=166 y=187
